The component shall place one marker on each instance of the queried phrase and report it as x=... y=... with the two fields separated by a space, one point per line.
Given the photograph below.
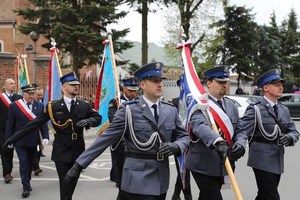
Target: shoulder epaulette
x=167 y=103
x=255 y=102
x=131 y=102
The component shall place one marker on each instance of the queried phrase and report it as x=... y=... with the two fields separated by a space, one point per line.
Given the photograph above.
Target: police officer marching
x=270 y=129
x=152 y=131
x=207 y=153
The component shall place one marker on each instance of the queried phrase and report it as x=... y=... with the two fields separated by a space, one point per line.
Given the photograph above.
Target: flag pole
x=53 y=43
x=214 y=128
x=24 y=56
x=17 y=70
x=109 y=35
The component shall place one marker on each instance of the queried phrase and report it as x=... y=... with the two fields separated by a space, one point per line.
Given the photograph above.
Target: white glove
x=45 y=142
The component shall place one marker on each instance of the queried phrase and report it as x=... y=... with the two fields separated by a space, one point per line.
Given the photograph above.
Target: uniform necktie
x=72 y=106
x=154 y=106
x=10 y=97
x=275 y=110
x=28 y=105
x=221 y=104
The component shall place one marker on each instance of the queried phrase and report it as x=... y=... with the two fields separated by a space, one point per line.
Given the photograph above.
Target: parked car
x=292 y=101
x=242 y=102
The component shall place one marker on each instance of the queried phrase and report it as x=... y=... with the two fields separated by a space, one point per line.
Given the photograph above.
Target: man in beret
x=270 y=129
x=21 y=112
x=130 y=88
x=152 y=132
x=69 y=116
x=206 y=155
x=6 y=98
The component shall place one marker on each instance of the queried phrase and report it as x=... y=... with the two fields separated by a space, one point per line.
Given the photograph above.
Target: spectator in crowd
x=256 y=91
x=239 y=90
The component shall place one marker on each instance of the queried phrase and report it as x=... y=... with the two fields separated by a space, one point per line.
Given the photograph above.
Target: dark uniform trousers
x=209 y=186
x=267 y=184
x=6 y=156
x=129 y=196
x=62 y=169
x=26 y=159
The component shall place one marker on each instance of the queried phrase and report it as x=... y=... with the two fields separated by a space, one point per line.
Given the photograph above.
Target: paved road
x=94 y=183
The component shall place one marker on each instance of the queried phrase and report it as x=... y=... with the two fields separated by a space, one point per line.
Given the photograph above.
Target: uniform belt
x=263 y=140
x=73 y=136
x=146 y=156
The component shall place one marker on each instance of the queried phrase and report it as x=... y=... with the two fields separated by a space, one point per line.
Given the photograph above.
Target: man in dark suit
x=21 y=113
x=69 y=117
x=270 y=129
x=152 y=132
x=130 y=88
x=6 y=98
x=206 y=155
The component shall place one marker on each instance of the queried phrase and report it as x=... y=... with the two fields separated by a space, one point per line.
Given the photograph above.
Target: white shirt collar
x=270 y=102
x=68 y=100
x=149 y=103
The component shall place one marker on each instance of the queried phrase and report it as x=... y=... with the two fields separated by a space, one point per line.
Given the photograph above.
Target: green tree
x=240 y=47
x=268 y=55
x=195 y=22
x=144 y=7
x=76 y=26
x=290 y=45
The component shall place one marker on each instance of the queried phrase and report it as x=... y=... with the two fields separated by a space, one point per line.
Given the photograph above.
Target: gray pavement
x=94 y=183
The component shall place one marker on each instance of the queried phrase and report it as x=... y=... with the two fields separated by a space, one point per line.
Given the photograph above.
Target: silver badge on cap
x=157 y=66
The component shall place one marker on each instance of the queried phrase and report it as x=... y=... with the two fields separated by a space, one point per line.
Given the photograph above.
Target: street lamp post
x=34 y=37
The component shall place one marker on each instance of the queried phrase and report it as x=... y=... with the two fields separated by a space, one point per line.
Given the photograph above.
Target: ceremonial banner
x=193 y=96
x=107 y=87
x=53 y=90
x=21 y=73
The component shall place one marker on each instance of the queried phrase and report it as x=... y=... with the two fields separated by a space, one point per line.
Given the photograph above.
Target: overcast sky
x=261 y=8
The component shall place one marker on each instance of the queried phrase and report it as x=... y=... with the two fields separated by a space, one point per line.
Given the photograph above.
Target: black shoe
x=25 y=194
x=8 y=178
x=37 y=172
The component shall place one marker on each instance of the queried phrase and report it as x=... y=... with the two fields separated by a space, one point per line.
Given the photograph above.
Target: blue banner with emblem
x=107 y=88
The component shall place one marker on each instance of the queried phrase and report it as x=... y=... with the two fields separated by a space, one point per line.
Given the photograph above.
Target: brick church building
x=12 y=42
